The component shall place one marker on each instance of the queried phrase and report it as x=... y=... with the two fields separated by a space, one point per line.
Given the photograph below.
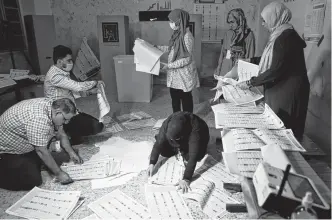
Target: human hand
x=183 y=185
x=243 y=85
x=64 y=178
x=75 y=158
x=100 y=82
x=150 y=170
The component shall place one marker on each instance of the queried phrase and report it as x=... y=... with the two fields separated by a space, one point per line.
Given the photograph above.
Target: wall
x=75 y=19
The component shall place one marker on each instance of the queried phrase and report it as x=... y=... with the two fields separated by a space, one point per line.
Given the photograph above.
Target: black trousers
x=82 y=125
x=180 y=97
x=20 y=171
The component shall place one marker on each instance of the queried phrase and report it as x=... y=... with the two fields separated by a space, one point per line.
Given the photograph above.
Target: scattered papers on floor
x=117 y=205
x=147 y=57
x=267 y=120
x=104 y=106
x=137 y=124
x=116 y=180
x=93 y=169
x=139 y=115
x=167 y=171
x=246 y=139
x=165 y=202
x=45 y=204
x=211 y=199
x=158 y=124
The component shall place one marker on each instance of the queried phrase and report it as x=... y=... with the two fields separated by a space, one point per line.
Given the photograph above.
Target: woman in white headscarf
x=282 y=69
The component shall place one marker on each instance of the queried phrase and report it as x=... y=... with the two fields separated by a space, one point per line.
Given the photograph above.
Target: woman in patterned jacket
x=182 y=76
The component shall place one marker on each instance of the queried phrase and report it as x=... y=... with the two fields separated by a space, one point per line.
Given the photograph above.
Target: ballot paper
x=93 y=169
x=116 y=180
x=224 y=81
x=17 y=74
x=139 y=115
x=246 y=139
x=242 y=163
x=165 y=202
x=212 y=200
x=215 y=172
x=147 y=57
x=104 y=106
x=158 y=124
x=137 y=124
x=45 y=204
x=246 y=70
x=235 y=94
x=167 y=171
x=276 y=157
x=117 y=205
x=230 y=108
x=267 y=120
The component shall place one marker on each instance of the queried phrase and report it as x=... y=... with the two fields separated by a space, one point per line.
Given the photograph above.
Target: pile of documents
x=46 y=204
x=147 y=57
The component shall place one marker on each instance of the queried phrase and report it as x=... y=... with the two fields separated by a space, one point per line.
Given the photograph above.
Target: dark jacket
x=193 y=144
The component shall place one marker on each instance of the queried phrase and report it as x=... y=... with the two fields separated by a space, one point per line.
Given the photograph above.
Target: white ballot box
x=132 y=85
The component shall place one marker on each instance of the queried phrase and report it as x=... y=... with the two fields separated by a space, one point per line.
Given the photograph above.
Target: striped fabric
x=58 y=84
x=26 y=124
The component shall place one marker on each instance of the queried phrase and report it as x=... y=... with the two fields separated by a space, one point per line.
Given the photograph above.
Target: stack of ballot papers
x=93 y=169
x=268 y=119
x=246 y=139
x=244 y=163
x=46 y=204
x=147 y=57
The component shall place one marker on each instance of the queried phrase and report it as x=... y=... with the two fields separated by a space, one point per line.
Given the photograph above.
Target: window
x=11 y=24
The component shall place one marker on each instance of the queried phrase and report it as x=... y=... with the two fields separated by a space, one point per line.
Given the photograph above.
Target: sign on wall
x=110 y=32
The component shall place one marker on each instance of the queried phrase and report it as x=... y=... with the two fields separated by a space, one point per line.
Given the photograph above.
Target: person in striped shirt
x=58 y=84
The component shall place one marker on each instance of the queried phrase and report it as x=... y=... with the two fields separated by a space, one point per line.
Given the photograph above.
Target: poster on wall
x=314 y=20
x=110 y=32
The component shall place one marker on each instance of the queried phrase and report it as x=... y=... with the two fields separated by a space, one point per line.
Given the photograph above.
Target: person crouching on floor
x=181 y=133
x=58 y=84
x=26 y=130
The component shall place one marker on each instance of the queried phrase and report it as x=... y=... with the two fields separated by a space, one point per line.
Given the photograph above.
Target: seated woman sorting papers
x=181 y=133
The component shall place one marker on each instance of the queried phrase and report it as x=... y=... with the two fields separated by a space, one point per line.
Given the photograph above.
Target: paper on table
x=104 y=106
x=5 y=82
x=147 y=57
x=116 y=180
x=276 y=157
x=242 y=163
x=230 y=108
x=246 y=70
x=167 y=171
x=235 y=94
x=93 y=169
x=283 y=138
x=17 y=74
x=117 y=205
x=164 y=202
x=267 y=120
x=241 y=139
x=45 y=204
x=158 y=124
x=211 y=199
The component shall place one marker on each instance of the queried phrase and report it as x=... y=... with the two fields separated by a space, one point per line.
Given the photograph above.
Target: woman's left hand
x=183 y=185
x=243 y=85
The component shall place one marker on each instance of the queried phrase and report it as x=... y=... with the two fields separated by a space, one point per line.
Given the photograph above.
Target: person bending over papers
x=26 y=130
x=58 y=84
x=181 y=133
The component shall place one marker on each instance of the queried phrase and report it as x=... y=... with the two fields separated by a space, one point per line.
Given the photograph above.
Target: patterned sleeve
x=39 y=132
x=163 y=48
x=189 y=41
x=66 y=83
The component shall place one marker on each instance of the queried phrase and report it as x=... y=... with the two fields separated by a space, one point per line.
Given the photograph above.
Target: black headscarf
x=181 y=19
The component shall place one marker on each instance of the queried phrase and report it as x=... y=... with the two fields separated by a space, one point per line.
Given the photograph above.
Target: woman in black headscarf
x=181 y=133
x=182 y=76
x=238 y=42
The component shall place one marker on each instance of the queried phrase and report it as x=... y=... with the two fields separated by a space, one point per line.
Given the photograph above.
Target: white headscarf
x=276 y=16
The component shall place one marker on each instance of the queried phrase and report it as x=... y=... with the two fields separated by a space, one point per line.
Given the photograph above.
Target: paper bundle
x=46 y=204
x=147 y=57
x=104 y=106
